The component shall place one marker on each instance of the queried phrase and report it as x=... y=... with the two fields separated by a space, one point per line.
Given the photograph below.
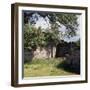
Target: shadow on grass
x=68 y=68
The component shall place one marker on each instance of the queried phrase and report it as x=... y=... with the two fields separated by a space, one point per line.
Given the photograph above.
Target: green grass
x=46 y=67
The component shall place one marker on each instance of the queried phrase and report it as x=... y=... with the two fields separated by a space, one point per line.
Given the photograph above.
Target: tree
x=68 y=20
x=35 y=37
x=30 y=37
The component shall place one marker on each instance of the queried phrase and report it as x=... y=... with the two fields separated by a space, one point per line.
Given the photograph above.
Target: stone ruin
x=40 y=53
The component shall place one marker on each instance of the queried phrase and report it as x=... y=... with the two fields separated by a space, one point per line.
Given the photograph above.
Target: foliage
x=69 y=20
x=78 y=43
x=34 y=37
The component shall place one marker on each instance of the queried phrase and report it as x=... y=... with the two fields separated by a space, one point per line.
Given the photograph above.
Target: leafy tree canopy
x=34 y=37
x=68 y=20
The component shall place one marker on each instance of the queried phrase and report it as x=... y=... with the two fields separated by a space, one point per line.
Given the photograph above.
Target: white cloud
x=40 y=21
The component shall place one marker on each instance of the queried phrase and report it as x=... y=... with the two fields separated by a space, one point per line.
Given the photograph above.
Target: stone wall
x=40 y=53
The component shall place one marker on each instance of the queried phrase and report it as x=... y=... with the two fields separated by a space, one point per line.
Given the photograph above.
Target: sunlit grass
x=45 y=67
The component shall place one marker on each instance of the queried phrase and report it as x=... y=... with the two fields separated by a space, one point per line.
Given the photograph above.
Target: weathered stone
x=40 y=53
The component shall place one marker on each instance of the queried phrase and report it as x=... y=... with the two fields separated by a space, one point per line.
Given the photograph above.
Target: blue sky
x=44 y=24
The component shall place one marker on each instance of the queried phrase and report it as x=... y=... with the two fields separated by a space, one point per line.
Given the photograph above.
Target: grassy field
x=46 y=67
